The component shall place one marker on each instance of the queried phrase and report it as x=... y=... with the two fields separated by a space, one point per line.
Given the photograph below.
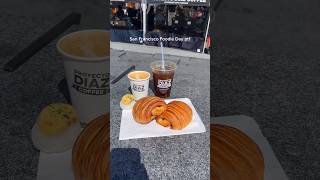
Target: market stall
x=138 y=21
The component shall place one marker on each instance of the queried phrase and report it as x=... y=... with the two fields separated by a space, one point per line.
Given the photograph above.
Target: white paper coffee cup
x=86 y=58
x=139 y=83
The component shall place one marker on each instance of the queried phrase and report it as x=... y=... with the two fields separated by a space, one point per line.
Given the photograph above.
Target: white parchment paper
x=55 y=166
x=130 y=129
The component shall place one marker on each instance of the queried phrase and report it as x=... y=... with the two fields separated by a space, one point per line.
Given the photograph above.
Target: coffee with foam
x=86 y=44
x=138 y=75
x=139 y=83
x=86 y=63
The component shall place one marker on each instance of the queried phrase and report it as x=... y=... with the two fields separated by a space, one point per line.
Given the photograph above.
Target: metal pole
x=206 y=37
x=144 y=12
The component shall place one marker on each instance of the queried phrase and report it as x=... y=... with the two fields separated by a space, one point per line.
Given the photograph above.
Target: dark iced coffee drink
x=163 y=77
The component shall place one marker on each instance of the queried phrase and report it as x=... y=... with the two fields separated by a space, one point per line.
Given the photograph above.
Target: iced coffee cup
x=139 y=83
x=85 y=56
x=163 y=73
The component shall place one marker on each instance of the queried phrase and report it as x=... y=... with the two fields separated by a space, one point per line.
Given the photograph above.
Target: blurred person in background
x=151 y=16
x=120 y=13
x=160 y=19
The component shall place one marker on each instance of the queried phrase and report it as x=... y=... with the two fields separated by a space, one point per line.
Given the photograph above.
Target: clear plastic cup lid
x=168 y=66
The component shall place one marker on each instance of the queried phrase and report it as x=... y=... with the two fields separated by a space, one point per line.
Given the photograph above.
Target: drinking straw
x=162 y=55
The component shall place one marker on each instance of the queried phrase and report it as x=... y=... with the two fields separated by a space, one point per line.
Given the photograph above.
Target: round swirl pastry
x=178 y=115
x=147 y=108
x=90 y=156
x=234 y=155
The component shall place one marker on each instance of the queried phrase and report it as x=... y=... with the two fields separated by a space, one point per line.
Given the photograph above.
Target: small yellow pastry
x=56 y=128
x=127 y=101
x=56 y=118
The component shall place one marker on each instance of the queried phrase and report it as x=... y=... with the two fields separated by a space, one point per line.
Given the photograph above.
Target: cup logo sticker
x=164 y=84
x=92 y=84
x=138 y=88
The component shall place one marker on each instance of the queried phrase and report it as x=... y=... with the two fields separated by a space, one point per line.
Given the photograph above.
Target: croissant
x=178 y=115
x=90 y=155
x=147 y=108
x=234 y=155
